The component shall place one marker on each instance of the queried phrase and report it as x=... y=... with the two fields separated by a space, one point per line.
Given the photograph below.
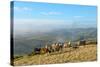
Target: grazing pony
x=37 y=50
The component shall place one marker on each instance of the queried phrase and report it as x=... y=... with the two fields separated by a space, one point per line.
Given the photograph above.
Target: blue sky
x=34 y=15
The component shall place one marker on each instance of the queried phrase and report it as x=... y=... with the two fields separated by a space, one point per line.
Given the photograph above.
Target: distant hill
x=24 y=44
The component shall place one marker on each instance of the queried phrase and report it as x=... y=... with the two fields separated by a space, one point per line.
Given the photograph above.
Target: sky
x=47 y=16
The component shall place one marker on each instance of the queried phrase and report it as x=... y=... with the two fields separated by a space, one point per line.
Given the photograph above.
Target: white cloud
x=42 y=22
x=78 y=16
x=51 y=13
x=22 y=8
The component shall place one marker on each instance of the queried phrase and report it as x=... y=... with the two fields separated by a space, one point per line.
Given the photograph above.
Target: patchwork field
x=81 y=54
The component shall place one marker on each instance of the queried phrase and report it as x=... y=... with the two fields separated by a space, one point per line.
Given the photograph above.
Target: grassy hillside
x=83 y=53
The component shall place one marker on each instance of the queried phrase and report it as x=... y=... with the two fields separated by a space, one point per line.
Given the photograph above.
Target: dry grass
x=83 y=53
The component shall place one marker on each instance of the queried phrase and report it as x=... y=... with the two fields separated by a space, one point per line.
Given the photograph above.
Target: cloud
x=78 y=16
x=39 y=24
x=42 y=22
x=51 y=13
x=22 y=8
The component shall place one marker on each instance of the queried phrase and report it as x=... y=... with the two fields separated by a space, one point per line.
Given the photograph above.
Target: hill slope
x=83 y=53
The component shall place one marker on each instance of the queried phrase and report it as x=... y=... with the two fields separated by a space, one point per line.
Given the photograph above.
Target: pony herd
x=58 y=47
x=48 y=49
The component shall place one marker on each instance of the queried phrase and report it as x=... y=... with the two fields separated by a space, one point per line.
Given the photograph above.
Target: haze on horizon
x=34 y=16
